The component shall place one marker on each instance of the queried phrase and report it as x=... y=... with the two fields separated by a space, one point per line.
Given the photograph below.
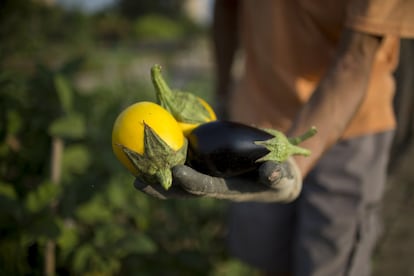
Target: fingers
x=282 y=177
x=202 y=184
x=234 y=189
x=282 y=184
x=198 y=183
x=272 y=173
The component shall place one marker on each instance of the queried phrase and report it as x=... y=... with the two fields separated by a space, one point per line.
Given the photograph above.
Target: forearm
x=225 y=41
x=338 y=96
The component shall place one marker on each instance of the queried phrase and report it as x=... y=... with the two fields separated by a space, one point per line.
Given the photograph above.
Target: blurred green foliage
x=134 y=9
x=153 y=26
x=100 y=224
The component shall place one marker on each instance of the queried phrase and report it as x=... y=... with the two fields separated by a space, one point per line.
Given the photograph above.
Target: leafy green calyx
x=155 y=164
x=281 y=148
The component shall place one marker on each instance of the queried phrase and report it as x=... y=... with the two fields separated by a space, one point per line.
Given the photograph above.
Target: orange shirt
x=288 y=46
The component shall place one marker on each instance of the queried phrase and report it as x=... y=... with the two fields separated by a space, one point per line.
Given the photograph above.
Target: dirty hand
x=276 y=182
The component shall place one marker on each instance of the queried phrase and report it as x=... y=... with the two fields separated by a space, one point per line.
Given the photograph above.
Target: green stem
x=164 y=93
x=299 y=139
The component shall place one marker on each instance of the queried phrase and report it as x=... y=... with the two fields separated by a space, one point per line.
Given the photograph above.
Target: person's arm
x=225 y=42
x=338 y=96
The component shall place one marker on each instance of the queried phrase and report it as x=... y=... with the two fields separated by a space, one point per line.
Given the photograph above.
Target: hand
x=276 y=182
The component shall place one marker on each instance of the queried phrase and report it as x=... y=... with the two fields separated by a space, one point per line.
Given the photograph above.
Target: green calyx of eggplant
x=157 y=160
x=184 y=106
x=281 y=148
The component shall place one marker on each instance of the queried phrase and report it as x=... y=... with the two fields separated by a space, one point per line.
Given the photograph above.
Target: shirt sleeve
x=382 y=17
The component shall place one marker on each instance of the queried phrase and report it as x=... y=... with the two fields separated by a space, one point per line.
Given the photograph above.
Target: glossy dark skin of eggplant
x=225 y=149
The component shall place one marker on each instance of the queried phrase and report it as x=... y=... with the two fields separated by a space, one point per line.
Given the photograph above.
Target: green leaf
x=72 y=65
x=108 y=234
x=42 y=196
x=14 y=122
x=117 y=196
x=10 y=207
x=70 y=126
x=82 y=256
x=94 y=211
x=45 y=226
x=76 y=159
x=67 y=240
x=135 y=243
x=7 y=190
x=64 y=92
x=233 y=267
x=13 y=257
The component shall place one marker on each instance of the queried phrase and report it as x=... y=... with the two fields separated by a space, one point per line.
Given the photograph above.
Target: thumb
x=277 y=175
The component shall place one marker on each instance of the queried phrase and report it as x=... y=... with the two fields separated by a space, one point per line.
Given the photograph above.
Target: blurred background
x=67 y=207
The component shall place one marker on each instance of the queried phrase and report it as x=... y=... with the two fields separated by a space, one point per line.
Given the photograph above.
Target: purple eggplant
x=225 y=149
